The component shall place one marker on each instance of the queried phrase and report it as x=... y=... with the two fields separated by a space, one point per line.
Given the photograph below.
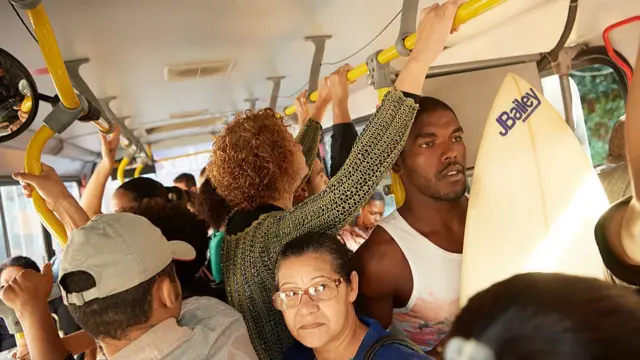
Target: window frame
x=597 y=55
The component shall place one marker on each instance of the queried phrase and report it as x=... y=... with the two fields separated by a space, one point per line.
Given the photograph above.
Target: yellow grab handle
x=123 y=165
x=32 y=165
x=51 y=53
x=138 y=170
x=466 y=12
x=397 y=189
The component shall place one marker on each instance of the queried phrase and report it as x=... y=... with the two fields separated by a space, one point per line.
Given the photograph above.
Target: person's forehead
x=304 y=268
x=435 y=121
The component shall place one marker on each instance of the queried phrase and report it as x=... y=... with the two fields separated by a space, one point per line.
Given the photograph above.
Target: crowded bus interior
x=306 y=179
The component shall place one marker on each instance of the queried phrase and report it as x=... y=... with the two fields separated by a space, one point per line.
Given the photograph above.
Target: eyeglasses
x=286 y=300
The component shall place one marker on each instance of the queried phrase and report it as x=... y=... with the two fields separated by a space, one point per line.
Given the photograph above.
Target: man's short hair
x=428 y=104
x=113 y=316
x=187 y=179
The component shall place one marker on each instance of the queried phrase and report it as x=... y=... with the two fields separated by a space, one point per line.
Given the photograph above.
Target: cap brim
x=181 y=251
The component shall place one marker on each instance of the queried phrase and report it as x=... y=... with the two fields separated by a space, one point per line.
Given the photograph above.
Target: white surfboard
x=535 y=198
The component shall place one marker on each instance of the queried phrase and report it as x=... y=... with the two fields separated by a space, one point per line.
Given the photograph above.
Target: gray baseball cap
x=120 y=251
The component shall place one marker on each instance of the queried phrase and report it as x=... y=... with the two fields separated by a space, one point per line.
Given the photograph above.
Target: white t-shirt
x=429 y=314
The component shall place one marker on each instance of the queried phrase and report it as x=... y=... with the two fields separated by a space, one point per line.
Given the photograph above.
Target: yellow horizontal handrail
x=466 y=12
x=183 y=156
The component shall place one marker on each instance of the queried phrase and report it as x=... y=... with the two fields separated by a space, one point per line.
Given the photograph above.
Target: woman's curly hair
x=252 y=158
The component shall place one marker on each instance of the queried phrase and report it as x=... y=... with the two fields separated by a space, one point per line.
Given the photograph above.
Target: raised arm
x=382 y=139
x=309 y=135
x=630 y=232
x=27 y=295
x=91 y=200
x=618 y=231
x=344 y=134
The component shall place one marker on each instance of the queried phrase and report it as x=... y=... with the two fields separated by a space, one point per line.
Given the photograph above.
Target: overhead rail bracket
x=319 y=43
x=275 y=92
x=407 y=25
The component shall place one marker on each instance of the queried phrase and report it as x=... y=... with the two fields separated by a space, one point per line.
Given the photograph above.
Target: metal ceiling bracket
x=252 y=103
x=125 y=131
x=26 y=4
x=277 y=81
x=380 y=75
x=73 y=68
x=562 y=68
x=319 y=43
x=407 y=25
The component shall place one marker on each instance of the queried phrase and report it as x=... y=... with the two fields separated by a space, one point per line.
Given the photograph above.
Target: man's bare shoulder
x=379 y=249
x=379 y=245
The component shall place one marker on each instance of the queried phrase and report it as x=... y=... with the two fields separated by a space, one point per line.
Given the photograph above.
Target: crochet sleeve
x=372 y=156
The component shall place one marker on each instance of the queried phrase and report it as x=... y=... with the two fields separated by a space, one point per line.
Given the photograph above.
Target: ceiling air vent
x=197 y=70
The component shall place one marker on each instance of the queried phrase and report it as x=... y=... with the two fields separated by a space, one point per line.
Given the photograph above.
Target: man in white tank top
x=409 y=268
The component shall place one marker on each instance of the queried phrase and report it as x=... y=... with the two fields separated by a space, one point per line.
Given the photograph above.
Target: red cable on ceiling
x=607 y=43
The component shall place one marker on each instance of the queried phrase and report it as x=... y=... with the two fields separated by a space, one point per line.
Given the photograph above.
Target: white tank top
x=429 y=314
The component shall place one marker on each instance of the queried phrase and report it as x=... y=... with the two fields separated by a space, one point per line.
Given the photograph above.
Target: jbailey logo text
x=523 y=108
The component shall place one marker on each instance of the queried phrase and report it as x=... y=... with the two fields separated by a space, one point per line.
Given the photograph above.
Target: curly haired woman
x=257 y=166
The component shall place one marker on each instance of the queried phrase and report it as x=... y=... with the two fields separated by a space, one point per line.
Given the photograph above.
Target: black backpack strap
x=388 y=340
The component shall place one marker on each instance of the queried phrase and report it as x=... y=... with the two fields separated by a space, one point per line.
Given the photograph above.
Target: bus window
x=24 y=231
x=602 y=105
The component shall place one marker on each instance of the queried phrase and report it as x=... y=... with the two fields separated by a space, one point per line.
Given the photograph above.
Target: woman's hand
x=302 y=108
x=435 y=26
x=339 y=85
x=324 y=99
x=110 y=143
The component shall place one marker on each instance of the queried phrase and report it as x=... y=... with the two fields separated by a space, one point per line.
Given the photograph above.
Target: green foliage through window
x=602 y=104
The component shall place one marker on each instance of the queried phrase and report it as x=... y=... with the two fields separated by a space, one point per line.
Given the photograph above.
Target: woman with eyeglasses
x=316 y=287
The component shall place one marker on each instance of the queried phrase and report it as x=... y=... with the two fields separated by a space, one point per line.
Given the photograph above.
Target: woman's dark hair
x=210 y=206
x=179 y=196
x=187 y=179
x=143 y=188
x=21 y=262
x=176 y=222
x=376 y=196
x=552 y=317
x=320 y=243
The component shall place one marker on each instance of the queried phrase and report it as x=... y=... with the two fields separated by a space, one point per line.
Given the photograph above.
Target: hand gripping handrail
x=466 y=12
x=70 y=109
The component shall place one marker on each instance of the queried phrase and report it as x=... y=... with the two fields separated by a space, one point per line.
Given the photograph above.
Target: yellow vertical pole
x=396 y=184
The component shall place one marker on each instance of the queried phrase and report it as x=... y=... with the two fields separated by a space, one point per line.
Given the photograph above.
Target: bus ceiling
x=181 y=78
